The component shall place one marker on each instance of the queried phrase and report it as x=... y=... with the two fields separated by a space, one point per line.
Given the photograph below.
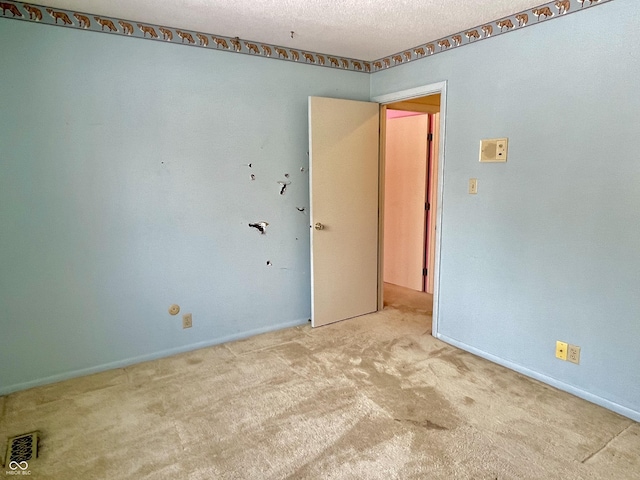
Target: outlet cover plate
x=561 y=350
x=573 y=354
x=473 y=186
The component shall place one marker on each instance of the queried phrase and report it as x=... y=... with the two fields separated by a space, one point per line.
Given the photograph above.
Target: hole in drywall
x=300 y=209
x=302 y=169
x=253 y=177
x=286 y=175
x=269 y=263
x=283 y=187
x=260 y=226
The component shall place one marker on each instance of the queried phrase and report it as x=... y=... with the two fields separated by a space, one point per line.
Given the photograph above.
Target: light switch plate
x=494 y=150
x=473 y=186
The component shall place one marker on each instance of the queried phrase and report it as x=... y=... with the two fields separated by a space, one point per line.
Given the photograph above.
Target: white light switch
x=494 y=150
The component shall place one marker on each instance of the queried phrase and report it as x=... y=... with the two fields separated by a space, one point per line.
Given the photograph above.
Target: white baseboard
x=4 y=390
x=603 y=402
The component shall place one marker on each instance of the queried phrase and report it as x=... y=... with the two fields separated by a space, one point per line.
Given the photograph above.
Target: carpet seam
x=589 y=457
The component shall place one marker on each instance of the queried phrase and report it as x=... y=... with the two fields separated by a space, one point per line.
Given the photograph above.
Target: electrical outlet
x=561 y=350
x=187 y=320
x=573 y=354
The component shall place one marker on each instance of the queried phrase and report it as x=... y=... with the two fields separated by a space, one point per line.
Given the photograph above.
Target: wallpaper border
x=517 y=21
x=12 y=9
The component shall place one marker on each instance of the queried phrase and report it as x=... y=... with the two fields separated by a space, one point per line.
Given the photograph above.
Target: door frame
x=421 y=91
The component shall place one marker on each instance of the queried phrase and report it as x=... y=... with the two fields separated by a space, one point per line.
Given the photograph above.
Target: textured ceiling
x=363 y=29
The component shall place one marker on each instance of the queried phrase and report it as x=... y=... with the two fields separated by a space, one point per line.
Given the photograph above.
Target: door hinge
x=430 y=137
x=427 y=206
x=424 y=272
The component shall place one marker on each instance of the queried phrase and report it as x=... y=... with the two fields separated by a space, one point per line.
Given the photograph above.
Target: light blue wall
x=124 y=189
x=549 y=248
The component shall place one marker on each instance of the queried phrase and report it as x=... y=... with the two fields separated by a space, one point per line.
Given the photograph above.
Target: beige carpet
x=409 y=301
x=375 y=397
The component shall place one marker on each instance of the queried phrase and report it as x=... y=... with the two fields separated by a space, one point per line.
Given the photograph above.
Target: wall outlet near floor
x=187 y=320
x=561 y=350
x=573 y=354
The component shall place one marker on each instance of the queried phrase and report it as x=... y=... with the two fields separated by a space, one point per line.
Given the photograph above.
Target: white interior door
x=343 y=170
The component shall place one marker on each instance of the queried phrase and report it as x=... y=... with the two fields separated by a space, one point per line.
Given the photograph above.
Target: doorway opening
x=409 y=172
x=347 y=203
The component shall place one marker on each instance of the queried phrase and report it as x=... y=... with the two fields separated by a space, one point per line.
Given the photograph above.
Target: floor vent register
x=22 y=448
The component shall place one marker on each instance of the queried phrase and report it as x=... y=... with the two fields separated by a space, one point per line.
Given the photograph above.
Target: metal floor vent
x=22 y=448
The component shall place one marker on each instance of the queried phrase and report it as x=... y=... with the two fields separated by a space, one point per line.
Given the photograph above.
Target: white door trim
x=423 y=91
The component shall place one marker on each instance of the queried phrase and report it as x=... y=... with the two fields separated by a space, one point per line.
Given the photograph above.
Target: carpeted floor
x=376 y=397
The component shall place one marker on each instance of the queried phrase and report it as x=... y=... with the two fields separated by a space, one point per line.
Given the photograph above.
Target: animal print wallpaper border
x=542 y=13
x=67 y=18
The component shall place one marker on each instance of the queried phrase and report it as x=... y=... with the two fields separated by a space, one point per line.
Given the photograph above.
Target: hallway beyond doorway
x=405 y=299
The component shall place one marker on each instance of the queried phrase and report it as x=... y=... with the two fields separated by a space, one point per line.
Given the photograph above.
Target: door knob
x=318 y=226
